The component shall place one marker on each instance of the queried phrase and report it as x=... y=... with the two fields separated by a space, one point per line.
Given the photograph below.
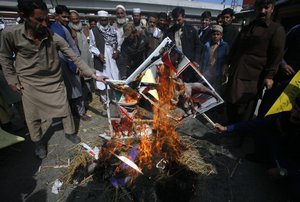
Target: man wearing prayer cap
x=139 y=23
x=213 y=58
x=104 y=47
x=121 y=20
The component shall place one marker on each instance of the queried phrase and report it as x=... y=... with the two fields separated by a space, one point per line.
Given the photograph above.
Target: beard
x=121 y=21
x=103 y=27
x=262 y=17
x=77 y=27
x=43 y=31
x=39 y=31
x=176 y=27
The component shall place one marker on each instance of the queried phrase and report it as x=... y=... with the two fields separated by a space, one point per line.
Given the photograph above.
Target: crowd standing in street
x=51 y=67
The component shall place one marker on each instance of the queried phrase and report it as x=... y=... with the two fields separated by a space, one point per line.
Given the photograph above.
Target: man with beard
x=254 y=60
x=37 y=73
x=70 y=71
x=186 y=39
x=104 y=47
x=121 y=20
x=138 y=22
x=153 y=33
x=80 y=35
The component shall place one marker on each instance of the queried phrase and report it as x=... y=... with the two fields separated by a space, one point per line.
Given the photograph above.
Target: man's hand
x=188 y=90
x=115 y=54
x=102 y=58
x=288 y=70
x=268 y=83
x=192 y=88
x=79 y=72
x=220 y=128
x=17 y=88
x=100 y=78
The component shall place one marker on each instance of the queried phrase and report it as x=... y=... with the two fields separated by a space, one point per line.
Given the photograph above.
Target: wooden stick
x=239 y=161
x=143 y=120
x=108 y=111
x=208 y=119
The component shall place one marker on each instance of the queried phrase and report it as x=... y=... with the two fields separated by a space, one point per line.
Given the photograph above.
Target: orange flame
x=165 y=143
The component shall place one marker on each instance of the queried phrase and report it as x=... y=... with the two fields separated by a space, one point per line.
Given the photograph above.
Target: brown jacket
x=254 y=56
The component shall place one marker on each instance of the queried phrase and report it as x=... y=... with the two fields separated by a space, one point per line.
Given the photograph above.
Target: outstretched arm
x=66 y=50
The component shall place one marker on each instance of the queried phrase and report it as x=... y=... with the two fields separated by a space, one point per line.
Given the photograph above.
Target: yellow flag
x=7 y=139
x=285 y=101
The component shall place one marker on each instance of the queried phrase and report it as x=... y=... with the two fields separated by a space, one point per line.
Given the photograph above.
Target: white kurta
x=110 y=67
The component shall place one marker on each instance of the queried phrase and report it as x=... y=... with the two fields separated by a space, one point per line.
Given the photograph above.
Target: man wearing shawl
x=104 y=46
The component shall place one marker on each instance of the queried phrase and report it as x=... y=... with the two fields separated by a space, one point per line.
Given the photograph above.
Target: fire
x=148 y=148
x=165 y=142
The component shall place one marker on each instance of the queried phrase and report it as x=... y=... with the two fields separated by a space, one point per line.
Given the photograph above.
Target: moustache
x=177 y=27
x=42 y=31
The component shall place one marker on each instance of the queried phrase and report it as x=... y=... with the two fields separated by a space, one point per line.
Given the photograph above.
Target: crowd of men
x=51 y=66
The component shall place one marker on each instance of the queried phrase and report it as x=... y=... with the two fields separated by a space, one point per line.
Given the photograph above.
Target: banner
x=7 y=139
x=286 y=99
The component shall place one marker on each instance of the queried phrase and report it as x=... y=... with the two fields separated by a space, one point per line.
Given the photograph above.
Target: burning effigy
x=143 y=156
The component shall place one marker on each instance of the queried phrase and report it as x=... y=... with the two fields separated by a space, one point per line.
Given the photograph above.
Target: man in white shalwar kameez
x=104 y=46
x=121 y=21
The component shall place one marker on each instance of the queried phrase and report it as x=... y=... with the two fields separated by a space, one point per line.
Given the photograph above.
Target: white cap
x=102 y=13
x=120 y=6
x=74 y=11
x=136 y=10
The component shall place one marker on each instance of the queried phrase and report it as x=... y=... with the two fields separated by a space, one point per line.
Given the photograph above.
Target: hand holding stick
x=220 y=128
x=208 y=119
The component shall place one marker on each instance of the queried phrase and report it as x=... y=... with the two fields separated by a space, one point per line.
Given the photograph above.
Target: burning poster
x=144 y=148
x=201 y=95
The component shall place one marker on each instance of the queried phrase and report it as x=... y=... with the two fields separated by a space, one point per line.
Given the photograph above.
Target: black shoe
x=40 y=150
x=73 y=138
x=12 y=128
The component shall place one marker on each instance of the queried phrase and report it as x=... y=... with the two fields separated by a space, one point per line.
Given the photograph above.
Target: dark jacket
x=190 y=41
x=254 y=56
x=205 y=36
x=132 y=55
x=291 y=55
x=229 y=34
